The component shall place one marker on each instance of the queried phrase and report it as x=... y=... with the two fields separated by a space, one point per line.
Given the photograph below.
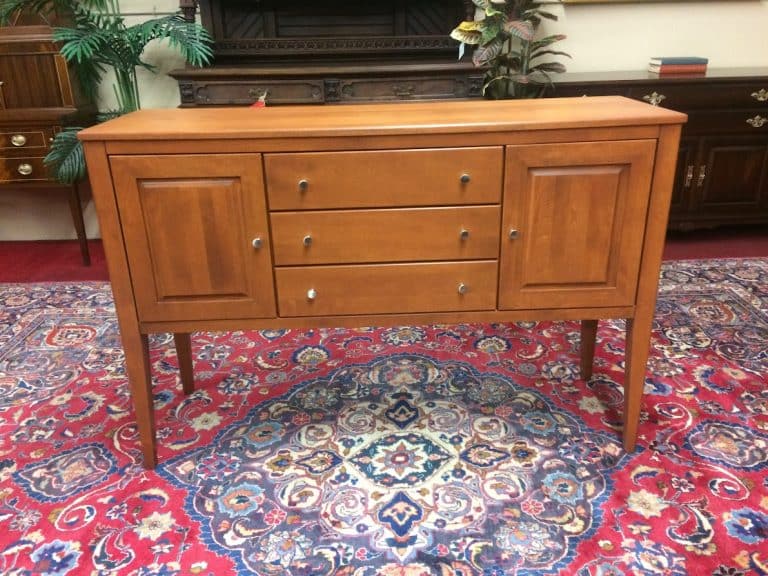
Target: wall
x=600 y=37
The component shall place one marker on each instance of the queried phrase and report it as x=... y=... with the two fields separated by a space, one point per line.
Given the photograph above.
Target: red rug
x=468 y=449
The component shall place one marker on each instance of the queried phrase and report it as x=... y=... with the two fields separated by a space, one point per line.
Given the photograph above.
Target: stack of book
x=678 y=65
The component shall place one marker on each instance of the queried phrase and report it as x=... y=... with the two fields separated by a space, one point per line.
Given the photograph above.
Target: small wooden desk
x=381 y=214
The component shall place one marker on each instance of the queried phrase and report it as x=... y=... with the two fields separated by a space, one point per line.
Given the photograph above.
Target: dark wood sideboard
x=722 y=170
x=37 y=97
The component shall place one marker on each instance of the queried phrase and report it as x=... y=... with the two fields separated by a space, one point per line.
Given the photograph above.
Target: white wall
x=614 y=36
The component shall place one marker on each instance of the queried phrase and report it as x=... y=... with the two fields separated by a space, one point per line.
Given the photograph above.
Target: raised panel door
x=574 y=219
x=196 y=236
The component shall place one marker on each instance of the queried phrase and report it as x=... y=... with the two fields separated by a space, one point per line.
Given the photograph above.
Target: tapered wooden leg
x=588 y=338
x=184 y=354
x=76 y=208
x=136 y=348
x=636 y=359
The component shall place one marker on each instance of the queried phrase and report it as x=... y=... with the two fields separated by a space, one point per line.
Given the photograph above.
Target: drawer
x=25 y=139
x=754 y=121
x=384 y=178
x=22 y=169
x=385 y=235
x=684 y=94
x=386 y=288
x=414 y=88
x=243 y=93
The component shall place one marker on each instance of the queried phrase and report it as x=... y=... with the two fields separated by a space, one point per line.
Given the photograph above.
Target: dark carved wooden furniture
x=722 y=172
x=472 y=211
x=37 y=96
x=310 y=52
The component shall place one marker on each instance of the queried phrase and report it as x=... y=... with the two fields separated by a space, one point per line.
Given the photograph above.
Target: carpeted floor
x=441 y=450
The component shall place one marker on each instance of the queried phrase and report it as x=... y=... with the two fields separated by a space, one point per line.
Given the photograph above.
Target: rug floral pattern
x=470 y=449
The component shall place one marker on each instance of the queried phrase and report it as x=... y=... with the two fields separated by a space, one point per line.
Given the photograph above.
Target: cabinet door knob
x=303 y=185
x=465 y=178
x=18 y=139
x=464 y=234
x=513 y=234
x=757 y=121
x=761 y=95
x=654 y=98
x=462 y=288
x=688 y=176
x=257 y=242
x=24 y=169
x=307 y=240
x=311 y=294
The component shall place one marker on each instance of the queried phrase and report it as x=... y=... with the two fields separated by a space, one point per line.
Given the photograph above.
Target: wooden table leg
x=636 y=359
x=136 y=348
x=588 y=338
x=76 y=207
x=184 y=354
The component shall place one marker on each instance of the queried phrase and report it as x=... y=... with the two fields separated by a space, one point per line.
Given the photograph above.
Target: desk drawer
x=384 y=178
x=389 y=235
x=386 y=288
x=22 y=169
x=25 y=139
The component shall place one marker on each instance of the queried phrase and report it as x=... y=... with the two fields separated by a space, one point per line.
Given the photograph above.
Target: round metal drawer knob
x=464 y=234
x=307 y=240
x=465 y=178
x=303 y=185
x=257 y=242
x=463 y=288
x=24 y=169
x=311 y=294
x=513 y=234
x=18 y=139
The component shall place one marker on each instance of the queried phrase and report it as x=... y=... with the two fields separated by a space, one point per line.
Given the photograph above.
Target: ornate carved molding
x=333 y=45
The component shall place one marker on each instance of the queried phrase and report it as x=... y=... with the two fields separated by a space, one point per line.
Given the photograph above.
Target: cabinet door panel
x=735 y=180
x=579 y=215
x=189 y=223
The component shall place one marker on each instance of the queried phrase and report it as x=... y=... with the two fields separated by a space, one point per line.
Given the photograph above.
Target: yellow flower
x=154 y=525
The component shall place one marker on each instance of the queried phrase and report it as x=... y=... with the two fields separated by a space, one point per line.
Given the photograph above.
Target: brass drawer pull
x=18 y=140
x=757 y=122
x=761 y=95
x=688 y=176
x=654 y=99
x=702 y=176
x=24 y=169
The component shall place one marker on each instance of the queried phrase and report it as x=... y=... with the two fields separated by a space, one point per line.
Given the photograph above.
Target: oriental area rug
x=450 y=450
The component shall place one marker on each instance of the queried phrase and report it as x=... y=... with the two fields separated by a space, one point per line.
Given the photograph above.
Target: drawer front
x=747 y=121
x=386 y=288
x=384 y=178
x=681 y=95
x=22 y=169
x=394 y=235
x=26 y=139
x=243 y=93
x=384 y=89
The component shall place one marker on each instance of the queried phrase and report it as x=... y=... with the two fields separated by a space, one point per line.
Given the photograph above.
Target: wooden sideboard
x=722 y=172
x=382 y=214
x=37 y=95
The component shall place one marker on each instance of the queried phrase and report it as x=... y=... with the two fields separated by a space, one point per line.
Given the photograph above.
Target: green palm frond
x=66 y=161
x=191 y=40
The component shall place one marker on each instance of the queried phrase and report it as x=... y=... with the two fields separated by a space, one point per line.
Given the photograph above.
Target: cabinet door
x=189 y=224
x=733 y=177
x=573 y=223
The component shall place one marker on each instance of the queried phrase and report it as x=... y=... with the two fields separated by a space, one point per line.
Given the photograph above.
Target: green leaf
x=556 y=67
x=468 y=32
x=520 y=29
x=540 y=53
x=66 y=161
x=486 y=53
x=546 y=41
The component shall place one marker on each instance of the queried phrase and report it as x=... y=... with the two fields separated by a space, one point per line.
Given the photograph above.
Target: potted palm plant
x=97 y=40
x=505 y=42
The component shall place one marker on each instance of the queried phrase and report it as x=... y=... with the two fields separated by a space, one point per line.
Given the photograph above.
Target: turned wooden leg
x=136 y=348
x=184 y=354
x=588 y=338
x=636 y=359
x=76 y=208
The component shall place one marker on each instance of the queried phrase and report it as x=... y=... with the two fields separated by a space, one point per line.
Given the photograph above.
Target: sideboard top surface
x=468 y=116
